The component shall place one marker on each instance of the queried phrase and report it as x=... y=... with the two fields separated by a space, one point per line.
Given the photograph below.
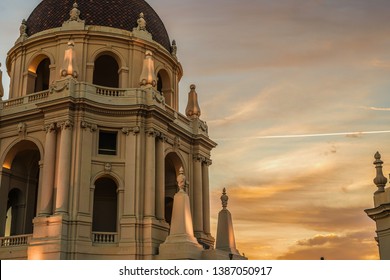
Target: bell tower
x=91 y=137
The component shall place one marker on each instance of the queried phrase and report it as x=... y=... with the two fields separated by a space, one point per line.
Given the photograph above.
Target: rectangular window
x=107 y=143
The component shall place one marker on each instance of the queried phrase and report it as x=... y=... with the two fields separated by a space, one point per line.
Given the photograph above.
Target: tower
x=381 y=211
x=91 y=138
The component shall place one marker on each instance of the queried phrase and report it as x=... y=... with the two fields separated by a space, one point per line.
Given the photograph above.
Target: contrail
x=349 y=134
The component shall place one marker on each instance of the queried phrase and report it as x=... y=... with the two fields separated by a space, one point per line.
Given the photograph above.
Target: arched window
x=105 y=206
x=164 y=86
x=38 y=75
x=43 y=76
x=18 y=207
x=172 y=166
x=106 y=72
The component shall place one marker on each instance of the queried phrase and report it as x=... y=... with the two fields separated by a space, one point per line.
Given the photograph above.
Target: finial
x=22 y=32
x=1 y=83
x=141 y=22
x=69 y=66
x=174 y=48
x=193 y=109
x=224 y=198
x=380 y=180
x=181 y=180
x=74 y=13
x=148 y=77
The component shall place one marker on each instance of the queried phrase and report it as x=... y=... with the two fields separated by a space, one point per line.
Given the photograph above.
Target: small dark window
x=43 y=76
x=107 y=143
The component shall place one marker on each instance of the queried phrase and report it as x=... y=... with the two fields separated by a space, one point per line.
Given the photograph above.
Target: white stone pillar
x=48 y=172
x=206 y=196
x=64 y=161
x=150 y=175
x=197 y=191
x=160 y=178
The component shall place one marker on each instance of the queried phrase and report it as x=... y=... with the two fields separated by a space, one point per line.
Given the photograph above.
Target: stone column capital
x=48 y=128
x=67 y=124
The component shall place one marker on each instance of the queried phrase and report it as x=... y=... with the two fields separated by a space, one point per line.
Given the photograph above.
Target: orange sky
x=313 y=68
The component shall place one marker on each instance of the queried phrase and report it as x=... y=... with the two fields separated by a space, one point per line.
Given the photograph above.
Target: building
x=92 y=145
x=381 y=211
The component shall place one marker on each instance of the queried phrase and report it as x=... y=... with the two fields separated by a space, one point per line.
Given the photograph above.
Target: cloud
x=334 y=247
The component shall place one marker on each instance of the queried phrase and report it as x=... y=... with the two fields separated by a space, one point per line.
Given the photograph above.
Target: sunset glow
x=297 y=95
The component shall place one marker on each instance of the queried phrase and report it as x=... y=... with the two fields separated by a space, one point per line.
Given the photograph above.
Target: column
x=206 y=196
x=48 y=172
x=64 y=161
x=197 y=191
x=160 y=178
x=150 y=175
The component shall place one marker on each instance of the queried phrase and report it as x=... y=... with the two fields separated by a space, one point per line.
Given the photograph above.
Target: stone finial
x=380 y=180
x=193 y=109
x=23 y=28
x=181 y=180
x=148 y=77
x=174 y=48
x=69 y=66
x=1 y=84
x=224 y=198
x=74 y=13
x=141 y=22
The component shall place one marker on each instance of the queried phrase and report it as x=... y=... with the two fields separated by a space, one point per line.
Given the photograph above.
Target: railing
x=114 y=92
x=17 y=240
x=25 y=99
x=104 y=237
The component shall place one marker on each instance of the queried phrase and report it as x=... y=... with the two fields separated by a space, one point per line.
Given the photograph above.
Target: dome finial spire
x=174 y=48
x=141 y=22
x=69 y=66
x=224 y=198
x=148 y=77
x=22 y=31
x=193 y=109
x=75 y=13
x=380 y=180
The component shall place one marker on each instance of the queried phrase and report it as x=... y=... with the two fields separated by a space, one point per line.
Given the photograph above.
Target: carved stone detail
x=107 y=167
x=74 y=14
x=22 y=129
x=54 y=88
x=22 y=31
x=50 y=128
x=181 y=180
x=380 y=180
x=151 y=132
x=92 y=127
x=174 y=48
x=203 y=126
x=128 y=130
x=176 y=142
x=224 y=199
x=159 y=97
x=65 y=125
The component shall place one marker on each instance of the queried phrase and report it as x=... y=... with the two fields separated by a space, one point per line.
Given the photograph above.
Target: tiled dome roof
x=122 y=14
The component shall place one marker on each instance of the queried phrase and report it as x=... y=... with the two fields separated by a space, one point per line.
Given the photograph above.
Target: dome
x=122 y=14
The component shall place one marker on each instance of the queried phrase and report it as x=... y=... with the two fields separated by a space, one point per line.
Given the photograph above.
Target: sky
x=296 y=94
